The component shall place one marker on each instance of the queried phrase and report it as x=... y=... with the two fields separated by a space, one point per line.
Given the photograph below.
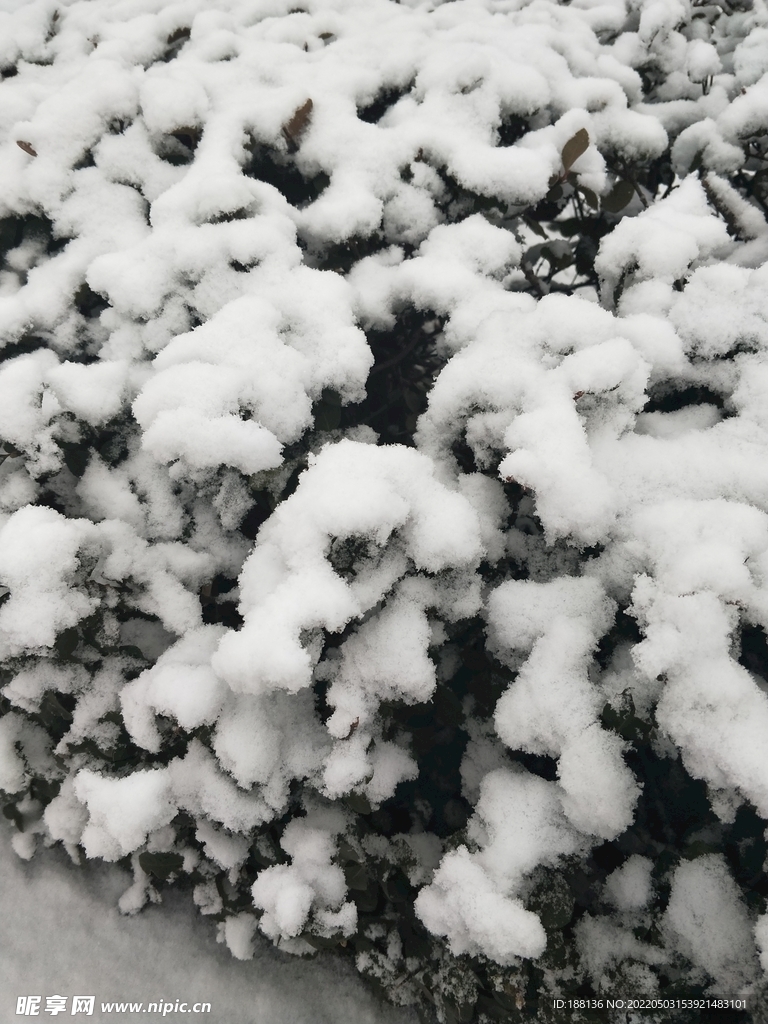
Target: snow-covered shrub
x=384 y=491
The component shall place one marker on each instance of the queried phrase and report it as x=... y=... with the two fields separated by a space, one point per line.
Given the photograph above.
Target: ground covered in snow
x=60 y=933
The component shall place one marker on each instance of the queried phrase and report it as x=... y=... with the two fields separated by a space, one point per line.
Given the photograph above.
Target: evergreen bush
x=383 y=533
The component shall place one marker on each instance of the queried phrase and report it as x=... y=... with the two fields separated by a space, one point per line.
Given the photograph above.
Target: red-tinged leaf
x=297 y=125
x=575 y=147
x=618 y=197
x=26 y=147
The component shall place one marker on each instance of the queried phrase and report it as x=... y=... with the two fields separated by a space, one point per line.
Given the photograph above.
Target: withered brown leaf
x=574 y=148
x=294 y=128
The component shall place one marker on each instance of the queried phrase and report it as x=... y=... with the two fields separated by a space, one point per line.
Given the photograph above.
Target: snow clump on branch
x=383 y=488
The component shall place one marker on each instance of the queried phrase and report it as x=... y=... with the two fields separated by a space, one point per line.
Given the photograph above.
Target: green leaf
x=532 y=256
x=535 y=227
x=367 y=901
x=574 y=148
x=558 y=254
x=331 y=397
x=120 y=754
x=415 y=944
x=327 y=417
x=43 y=790
x=589 y=195
x=320 y=942
x=554 y=907
x=553 y=900
x=357 y=877
x=328 y=411
x=510 y=998
x=458 y=1013
x=67 y=641
x=12 y=812
x=132 y=652
x=53 y=712
x=75 y=457
x=161 y=865
x=347 y=853
x=556 y=954
x=618 y=197
x=489 y=1008
x=396 y=888
x=358 y=803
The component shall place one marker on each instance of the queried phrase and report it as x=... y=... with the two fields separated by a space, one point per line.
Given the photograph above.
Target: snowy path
x=60 y=933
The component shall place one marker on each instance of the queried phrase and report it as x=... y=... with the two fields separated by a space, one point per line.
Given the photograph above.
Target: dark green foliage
x=217 y=607
x=560 y=237
x=161 y=865
x=619 y=196
x=406 y=361
x=374 y=111
x=279 y=169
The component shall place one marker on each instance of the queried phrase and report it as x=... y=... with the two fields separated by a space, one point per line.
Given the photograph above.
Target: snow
x=709 y=921
x=310 y=884
x=287 y=585
x=170 y=347
x=122 y=812
x=552 y=707
x=180 y=683
x=630 y=886
x=42 y=604
x=61 y=933
x=473 y=898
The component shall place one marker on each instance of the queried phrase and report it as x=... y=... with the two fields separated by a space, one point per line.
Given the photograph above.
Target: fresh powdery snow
x=61 y=933
x=384 y=501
